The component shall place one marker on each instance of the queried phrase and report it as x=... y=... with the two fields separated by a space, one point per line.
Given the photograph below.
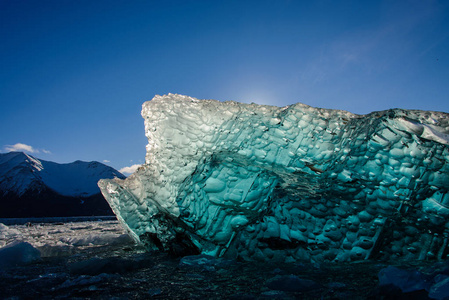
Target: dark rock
x=195 y=276
x=243 y=297
x=84 y=280
x=275 y=295
x=96 y=266
x=154 y=292
x=336 y=285
x=291 y=283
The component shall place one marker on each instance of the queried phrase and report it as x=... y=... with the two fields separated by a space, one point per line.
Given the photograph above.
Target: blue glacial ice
x=288 y=183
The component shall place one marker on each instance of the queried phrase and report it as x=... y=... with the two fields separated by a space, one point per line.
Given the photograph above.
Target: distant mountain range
x=30 y=187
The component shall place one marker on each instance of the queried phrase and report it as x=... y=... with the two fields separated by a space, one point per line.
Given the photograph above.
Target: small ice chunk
x=18 y=253
x=407 y=281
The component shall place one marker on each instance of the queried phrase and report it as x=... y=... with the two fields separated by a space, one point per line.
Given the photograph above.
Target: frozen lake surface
x=97 y=260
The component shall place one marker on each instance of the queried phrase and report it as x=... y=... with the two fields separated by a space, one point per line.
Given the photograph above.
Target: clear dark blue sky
x=74 y=74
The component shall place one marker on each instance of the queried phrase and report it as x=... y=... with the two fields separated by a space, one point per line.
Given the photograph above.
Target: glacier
x=287 y=184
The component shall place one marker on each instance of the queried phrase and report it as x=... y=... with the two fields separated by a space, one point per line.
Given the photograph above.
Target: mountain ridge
x=31 y=187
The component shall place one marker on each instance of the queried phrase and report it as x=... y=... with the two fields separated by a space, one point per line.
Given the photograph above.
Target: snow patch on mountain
x=20 y=172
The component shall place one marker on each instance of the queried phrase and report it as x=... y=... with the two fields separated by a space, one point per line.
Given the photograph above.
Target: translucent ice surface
x=288 y=184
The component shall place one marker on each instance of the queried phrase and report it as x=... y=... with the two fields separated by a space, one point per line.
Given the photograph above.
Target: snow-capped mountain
x=28 y=185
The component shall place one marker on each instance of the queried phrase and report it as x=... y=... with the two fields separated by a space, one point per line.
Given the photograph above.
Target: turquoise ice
x=288 y=183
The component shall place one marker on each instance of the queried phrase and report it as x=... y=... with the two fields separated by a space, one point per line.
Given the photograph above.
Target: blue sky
x=74 y=74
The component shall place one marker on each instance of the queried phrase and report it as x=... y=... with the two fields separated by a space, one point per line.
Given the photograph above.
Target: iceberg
x=293 y=183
